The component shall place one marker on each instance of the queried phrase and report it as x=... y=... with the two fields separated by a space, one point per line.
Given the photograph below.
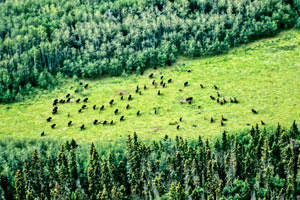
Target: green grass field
x=264 y=75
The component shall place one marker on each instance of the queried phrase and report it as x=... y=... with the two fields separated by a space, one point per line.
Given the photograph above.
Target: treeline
x=41 y=41
x=254 y=164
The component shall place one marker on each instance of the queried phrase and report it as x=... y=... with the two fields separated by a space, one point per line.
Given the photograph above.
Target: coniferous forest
x=44 y=41
x=257 y=163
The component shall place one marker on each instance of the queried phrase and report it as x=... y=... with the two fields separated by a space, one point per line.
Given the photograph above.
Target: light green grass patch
x=264 y=75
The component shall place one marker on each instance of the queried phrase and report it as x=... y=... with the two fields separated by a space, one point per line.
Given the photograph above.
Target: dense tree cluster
x=41 y=41
x=258 y=163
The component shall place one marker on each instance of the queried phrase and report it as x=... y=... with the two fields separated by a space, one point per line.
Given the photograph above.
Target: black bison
x=53 y=125
x=42 y=134
x=49 y=119
x=69 y=123
x=116 y=111
x=95 y=122
x=111 y=102
x=151 y=75
x=254 y=111
x=186 y=83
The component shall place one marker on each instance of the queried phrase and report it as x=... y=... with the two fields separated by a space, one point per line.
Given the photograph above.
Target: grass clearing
x=264 y=75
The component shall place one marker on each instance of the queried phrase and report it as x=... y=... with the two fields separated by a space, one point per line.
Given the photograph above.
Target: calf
x=177 y=127
x=158 y=93
x=104 y=122
x=122 y=97
x=127 y=107
x=112 y=122
x=138 y=113
x=82 y=127
x=212 y=120
x=222 y=123
x=223 y=118
x=145 y=87
x=94 y=107
x=201 y=86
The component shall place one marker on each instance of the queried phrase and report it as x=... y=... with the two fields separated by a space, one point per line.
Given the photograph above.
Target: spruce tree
x=20 y=188
x=73 y=169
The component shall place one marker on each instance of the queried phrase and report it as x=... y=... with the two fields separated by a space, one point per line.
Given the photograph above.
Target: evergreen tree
x=73 y=169
x=20 y=188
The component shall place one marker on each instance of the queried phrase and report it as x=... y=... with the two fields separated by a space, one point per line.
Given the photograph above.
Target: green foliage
x=167 y=169
x=43 y=41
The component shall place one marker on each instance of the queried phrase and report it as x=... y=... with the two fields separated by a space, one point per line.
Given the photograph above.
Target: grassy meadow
x=264 y=75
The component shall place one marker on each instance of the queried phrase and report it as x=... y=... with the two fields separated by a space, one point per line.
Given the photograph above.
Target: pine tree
x=20 y=188
x=62 y=161
x=73 y=169
x=158 y=184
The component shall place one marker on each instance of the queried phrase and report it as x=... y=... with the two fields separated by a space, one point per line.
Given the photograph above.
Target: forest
x=261 y=163
x=43 y=42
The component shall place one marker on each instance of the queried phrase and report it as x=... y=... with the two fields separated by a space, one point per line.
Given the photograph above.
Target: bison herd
x=217 y=98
